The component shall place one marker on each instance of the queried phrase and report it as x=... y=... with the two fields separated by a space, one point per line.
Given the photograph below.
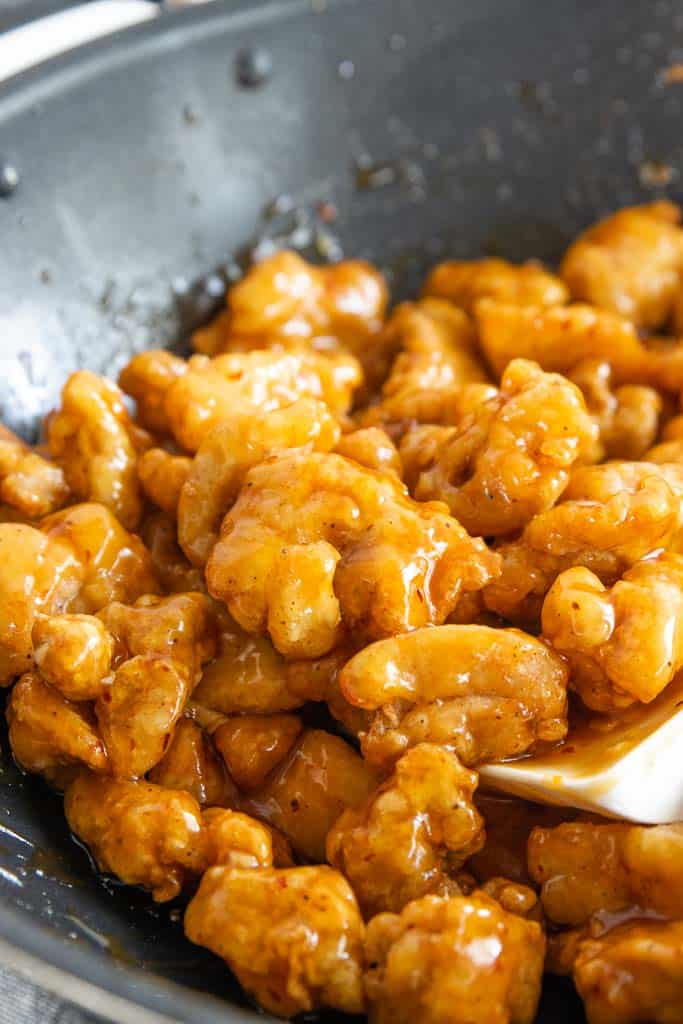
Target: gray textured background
x=23 y=1003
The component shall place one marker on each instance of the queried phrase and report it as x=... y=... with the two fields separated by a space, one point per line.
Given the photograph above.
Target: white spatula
x=628 y=767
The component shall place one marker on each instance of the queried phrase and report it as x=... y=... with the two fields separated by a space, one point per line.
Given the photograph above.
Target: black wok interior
x=497 y=127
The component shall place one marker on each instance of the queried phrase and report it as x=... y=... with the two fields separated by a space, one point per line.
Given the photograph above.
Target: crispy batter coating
x=161 y=476
x=249 y=384
x=285 y=301
x=560 y=337
x=79 y=559
x=147 y=378
x=227 y=454
x=465 y=282
x=73 y=653
x=315 y=543
x=320 y=778
x=485 y=693
x=611 y=516
x=411 y=835
x=144 y=834
x=249 y=675
x=586 y=866
x=49 y=733
x=173 y=570
x=115 y=565
x=138 y=712
x=37 y=574
x=371 y=447
x=29 y=483
x=462 y=960
x=93 y=439
x=429 y=348
x=253 y=745
x=293 y=937
x=625 y=643
x=630 y=263
x=192 y=764
x=510 y=458
x=235 y=840
x=161 y=644
x=627 y=417
x=179 y=627
x=633 y=973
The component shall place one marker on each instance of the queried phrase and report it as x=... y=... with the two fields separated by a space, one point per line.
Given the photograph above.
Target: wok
x=434 y=127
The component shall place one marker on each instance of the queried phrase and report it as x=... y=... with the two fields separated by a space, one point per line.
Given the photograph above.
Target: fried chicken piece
x=430 y=351
x=463 y=960
x=144 y=834
x=226 y=455
x=161 y=644
x=316 y=543
x=37 y=574
x=630 y=263
x=138 y=712
x=29 y=483
x=253 y=745
x=250 y=676
x=321 y=776
x=93 y=439
x=411 y=835
x=510 y=458
x=465 y=282
x=49 y=734
x=192 y=764
x=78 y=560
x=624 y=644
x=611 y=516
x=293 y=937
x=161 y=476
x=633 y=973
x=627 y=417
x=587 y=866
x=247 y=385
x=147 y=378
x=115 y=565
x=73 y=653
x=485 y=693
x=180 y=627
x=509 y=821
x=172 y=568
x=371 y=447
x=285 y=301
x=235 y=840
x=560 y=337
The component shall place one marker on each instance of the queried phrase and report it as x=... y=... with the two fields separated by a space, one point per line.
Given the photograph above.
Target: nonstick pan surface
x=434 y=127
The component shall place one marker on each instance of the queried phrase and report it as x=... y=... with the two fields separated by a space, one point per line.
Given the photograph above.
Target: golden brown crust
x=465 y=952
x=316 y=544
x=293 y=937
x=630 y=263
x=633 y=973
x=485 y=693
x=412 y=835
x=510 y=458
x=321 y=776
x=589 y=866
x=93 y=439
x=465 y=282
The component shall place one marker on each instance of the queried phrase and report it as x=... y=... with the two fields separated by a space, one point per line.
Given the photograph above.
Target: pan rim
x=171 y=30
